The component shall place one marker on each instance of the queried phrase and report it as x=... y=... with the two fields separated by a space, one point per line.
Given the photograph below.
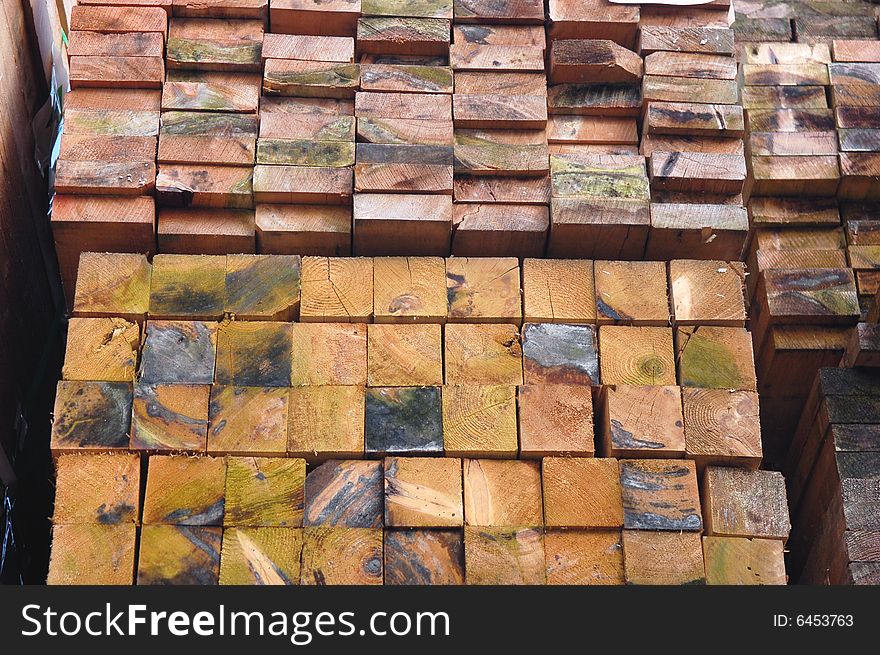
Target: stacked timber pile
x=600 y=200
x=833 y=474
x=802 y=291
x=693 y=129
x=396 y=127
x=804 y=21
x=411 y=420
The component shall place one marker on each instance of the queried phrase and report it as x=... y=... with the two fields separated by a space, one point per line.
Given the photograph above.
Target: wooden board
x=214 y=44
x=560 y=354
x=502 y=493
x=593 y=19
x=403 y=355
x=500 y=152
x=483 y=290
x=264 y=492
x=598 y=227
x=205 y=231
x=741 y=503
x=594 y=61
x=313 y=79
x=230 y=187
x=421 y=557
x=703 y=40
x=302 y=185
x=97 y=489
x=409 y=289
x=513 y=189
x=254 y=353
x=423 y=492
x=373 y=104
x=503 y=11
x=207 y=138
x=179 y=555
x=581 y=493
x=92 y=555
x=498 y=230
x=631 y=293
x=810 y=74
x=404 y=420
x=733 y=561
x=482 y=354
x=584 y=557
x=338 y=289
x=303 y=229
x=177 y=352
x=722 y=427
x=342 y=556
x=101 y=349
x=169 y=418
x=707 y=292
x=405 y=130
x=558 y=291
x=91 y=416
x=701 y=66
x=555 y=420
x=479 y=421
x=690 y=89
x=403 y=168
x=660 y=495
x=784 y=97
x=663 y=558
x=715 y=357
x=406 y=78
x=308 y=48
x=105 y=178
x=326 y=422
x=116 y=72
x=328 y=353
x=118 y=20
x=403 y=35
x=191 y=287
x=694 y=118
x=220 y=8
x=641 y=421
x=185 y=491
x=598 y=100
x=591 y=129
x=248 y=420
x=706 y=231
x=319 y=17
x=636 y=355
x=126 y=44
x=211 y=91
x=504 y=556
x=492 y=34
x=344 y=493
x=264 y=556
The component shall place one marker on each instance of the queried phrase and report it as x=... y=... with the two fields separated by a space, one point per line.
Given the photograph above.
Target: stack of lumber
x=833 y=473
x=804 y=21
x=693 y=126
x=600 y=198
x=400 y=127
x=106 y=171
x=500 y=116
x=207 y=139
x=792 y=137
x=284 y=407
x=854 y=76
x=406 y=520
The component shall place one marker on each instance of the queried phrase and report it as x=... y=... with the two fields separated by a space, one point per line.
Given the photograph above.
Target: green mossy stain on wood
x=403 y=420
x=333 y=154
